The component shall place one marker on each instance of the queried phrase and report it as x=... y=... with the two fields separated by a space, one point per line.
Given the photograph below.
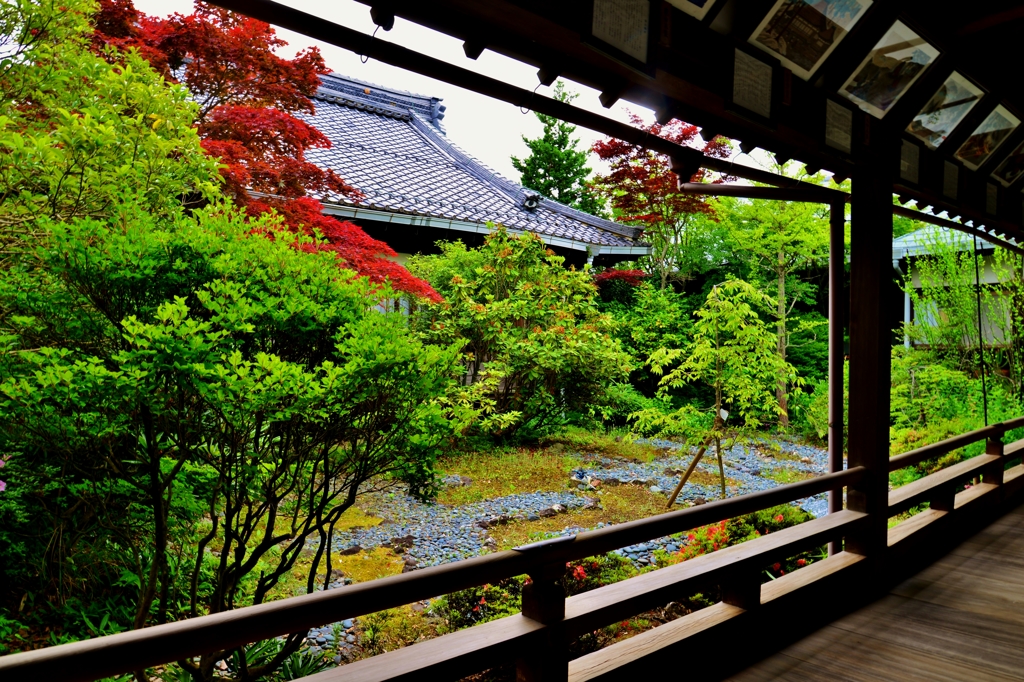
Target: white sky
x=488 y=129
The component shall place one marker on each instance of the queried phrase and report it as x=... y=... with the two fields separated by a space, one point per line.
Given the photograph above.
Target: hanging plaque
x=838 y=126
x=752 y=84
x=624 y=25
x=889 y=70
x=803 y=34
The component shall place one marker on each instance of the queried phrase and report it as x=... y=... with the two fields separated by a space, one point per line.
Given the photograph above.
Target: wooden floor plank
x=960 y=619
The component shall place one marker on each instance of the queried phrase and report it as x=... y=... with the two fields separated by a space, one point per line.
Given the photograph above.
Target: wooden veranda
x=846 y=95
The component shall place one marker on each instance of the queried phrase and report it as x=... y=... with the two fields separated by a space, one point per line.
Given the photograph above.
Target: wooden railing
x=537 y=638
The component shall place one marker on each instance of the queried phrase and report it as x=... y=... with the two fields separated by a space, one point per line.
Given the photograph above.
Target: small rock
x=611 y=481
x=656 y=490
x=591 y=503
x=354 y=549
x=558 y=508
x=466 y=481
x=532 y=517
x=699 y=500
x=348 y=623
x=351 y=639
x=805 y=460
x=545 y=513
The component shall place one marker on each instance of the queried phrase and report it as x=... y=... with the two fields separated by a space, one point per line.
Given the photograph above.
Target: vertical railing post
x=871 y=343
x=544 y=601
x=836 y=357
x=994 y=472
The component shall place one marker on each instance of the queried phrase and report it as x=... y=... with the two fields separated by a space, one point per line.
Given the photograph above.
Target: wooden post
x=994 y=473
x=544 y=601
x=871 y=345
x=836 y=412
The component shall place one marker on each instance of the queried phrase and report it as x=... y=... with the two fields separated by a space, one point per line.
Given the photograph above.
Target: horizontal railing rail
x=160 y=644
x=943 y=447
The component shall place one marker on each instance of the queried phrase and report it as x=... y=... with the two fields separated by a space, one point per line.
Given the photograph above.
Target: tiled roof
x=391 y=146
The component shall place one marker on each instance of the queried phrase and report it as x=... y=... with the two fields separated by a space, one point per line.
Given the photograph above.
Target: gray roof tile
x=391 y=146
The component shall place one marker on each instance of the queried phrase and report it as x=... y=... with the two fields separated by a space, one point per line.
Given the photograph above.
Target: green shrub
x=533 y=337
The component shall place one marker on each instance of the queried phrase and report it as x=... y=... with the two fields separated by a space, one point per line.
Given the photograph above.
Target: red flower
x=779 y=518
x=801 y=562
x=482 y=600
x=776 y=566
x=476 y=608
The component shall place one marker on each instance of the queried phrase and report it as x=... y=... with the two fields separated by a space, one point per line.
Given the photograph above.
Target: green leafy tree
x=732 y=351
x=778 y=240
x=946 y=300
x=80 y=137
x=187 y=397
x=531 y=329
x=556 y=168
x=242 y=389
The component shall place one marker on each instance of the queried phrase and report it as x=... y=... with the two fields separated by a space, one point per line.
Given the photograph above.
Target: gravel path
x=433 y=534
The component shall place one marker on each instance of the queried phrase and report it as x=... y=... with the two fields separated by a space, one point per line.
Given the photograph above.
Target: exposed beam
x=410 y=60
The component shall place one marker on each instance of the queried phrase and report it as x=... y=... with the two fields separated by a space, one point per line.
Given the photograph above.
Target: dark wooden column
x=870 y=346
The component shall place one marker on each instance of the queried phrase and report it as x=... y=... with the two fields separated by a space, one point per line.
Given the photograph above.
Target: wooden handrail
x=158 y=644
x=914 y=457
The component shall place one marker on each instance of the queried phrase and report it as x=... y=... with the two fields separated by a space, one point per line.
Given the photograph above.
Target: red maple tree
x=249 y=101
x=643 y=191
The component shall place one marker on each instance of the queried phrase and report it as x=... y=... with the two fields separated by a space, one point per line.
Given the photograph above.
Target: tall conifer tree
x=555 y=167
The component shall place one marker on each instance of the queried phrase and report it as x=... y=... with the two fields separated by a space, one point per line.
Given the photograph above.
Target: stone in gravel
x=594 y=483
x=655 y=489
x=337 y=660
x=354 y=549
x=558 y=508
x=348 y=623
x=699 y=500
x=532 y=517
x=591 y=503
x=545 y=513
x=805 y=460
x=321 y=640
x=611 y=481
x=351 y=639
x=466 y=481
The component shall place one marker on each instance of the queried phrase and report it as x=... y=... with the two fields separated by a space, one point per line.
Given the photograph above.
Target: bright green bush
x=172 y=387
x=531 y=331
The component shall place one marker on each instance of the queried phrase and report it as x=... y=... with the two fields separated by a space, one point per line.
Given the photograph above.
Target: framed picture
x=992 y=132
x=895 y=63
x=695 y=8
x=944 y=111
x=802 y=34
x=1011 y=168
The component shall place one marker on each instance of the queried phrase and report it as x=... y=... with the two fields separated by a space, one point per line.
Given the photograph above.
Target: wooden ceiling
x=688 y=72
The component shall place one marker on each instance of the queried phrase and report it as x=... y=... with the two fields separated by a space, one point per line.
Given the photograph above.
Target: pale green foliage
x=531 y=330
x=80 y=137
x=733 y=351
x=781 y=238
x=946 y=303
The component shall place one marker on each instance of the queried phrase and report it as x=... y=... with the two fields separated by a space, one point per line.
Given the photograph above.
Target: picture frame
x=698 y=9
x=802 y=35
x=987 y=138
x=1011 y=168
x=891 y=67
x=946 y=109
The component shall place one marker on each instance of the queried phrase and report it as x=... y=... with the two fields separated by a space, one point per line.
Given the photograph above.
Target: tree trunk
x=780 y=330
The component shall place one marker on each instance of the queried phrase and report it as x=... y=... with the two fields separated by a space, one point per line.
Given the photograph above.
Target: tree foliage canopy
x=250 y=108
x=556 y=168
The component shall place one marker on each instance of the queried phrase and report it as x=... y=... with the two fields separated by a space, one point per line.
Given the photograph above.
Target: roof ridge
x=515 y=191
x=376 y=86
